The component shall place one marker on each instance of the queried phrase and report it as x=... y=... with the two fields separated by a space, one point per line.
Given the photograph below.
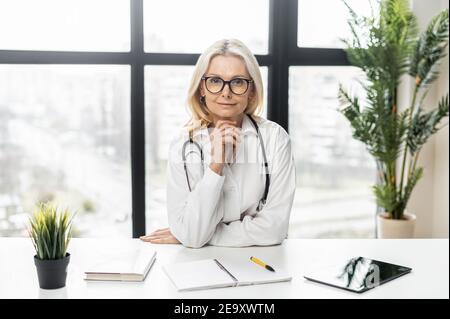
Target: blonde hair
x=200 y=115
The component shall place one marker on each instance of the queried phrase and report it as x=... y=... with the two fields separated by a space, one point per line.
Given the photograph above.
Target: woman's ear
x=201 y=90
x=251 y=95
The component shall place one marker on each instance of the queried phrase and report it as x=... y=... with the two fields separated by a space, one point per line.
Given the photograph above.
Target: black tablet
x=358 y=274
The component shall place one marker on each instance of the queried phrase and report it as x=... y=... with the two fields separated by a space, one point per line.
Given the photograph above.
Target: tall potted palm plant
x=387 y=46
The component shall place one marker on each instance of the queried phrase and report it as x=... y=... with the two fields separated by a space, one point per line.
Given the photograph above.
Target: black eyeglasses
x=215 y=84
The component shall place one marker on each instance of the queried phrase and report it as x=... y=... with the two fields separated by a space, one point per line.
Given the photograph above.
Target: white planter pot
x=395 y=228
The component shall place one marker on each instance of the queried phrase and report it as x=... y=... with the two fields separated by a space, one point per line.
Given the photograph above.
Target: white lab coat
x=221 y=210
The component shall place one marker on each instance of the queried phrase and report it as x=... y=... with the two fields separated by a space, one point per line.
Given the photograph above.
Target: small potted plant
x=50 y=232
x=387 y=47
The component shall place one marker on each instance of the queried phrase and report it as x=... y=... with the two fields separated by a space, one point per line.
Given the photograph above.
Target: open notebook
x=217 y=273
x=132 y=264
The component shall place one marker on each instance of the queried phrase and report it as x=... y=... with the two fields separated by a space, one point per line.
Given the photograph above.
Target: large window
x=69 y=25
x=166 y=112
x=323 y=23
x=65 y=137
x=334 y=171
x=181 y=26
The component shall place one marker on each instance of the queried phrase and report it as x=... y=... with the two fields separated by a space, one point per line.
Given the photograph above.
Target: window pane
x=182 y=26
x=65 y=136
x=322 y=23
x=334 y=171
x=72 y=25
x=165 y=114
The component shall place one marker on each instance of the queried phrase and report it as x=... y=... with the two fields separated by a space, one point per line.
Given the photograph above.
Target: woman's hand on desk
x=160 y=236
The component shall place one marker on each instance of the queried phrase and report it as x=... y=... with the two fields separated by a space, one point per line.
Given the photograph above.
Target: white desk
x=429 y=259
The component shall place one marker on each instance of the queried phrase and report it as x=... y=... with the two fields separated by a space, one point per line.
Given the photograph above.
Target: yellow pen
x=259 y=262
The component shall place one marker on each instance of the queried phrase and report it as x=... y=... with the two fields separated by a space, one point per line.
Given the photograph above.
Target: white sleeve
x=270 y=225
x=193 y=216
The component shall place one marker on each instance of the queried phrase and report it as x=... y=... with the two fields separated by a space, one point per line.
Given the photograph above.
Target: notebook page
x=248 y=273
x=201 y=274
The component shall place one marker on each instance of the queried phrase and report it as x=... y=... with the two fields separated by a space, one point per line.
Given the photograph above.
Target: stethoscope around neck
x=263 y=200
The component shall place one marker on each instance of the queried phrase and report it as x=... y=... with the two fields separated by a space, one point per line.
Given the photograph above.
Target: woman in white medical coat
x=223 y=199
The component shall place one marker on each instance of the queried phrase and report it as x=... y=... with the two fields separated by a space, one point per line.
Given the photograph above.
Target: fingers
x=165 y=240
x=161 y=231
x=158 y=232
x=221 y=123
x=151 y=238
x=160 y=239
x=232 y=125
x=231 y=137
x=230 y=130
x=224 y=140
x=154 y=234
x=223 y=133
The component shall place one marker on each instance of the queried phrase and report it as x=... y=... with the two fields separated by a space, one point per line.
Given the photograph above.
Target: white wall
x=429 y=200
x=441 y=162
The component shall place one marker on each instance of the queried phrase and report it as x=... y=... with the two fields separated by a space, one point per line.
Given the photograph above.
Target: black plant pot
x=52 y=273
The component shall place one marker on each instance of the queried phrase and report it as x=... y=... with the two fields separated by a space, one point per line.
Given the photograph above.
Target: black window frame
x=283 y=53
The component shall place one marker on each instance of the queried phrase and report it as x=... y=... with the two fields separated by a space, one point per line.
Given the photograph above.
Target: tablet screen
x=357 y=274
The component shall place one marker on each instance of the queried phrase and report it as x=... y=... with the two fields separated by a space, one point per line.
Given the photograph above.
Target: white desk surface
x=429 y=278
